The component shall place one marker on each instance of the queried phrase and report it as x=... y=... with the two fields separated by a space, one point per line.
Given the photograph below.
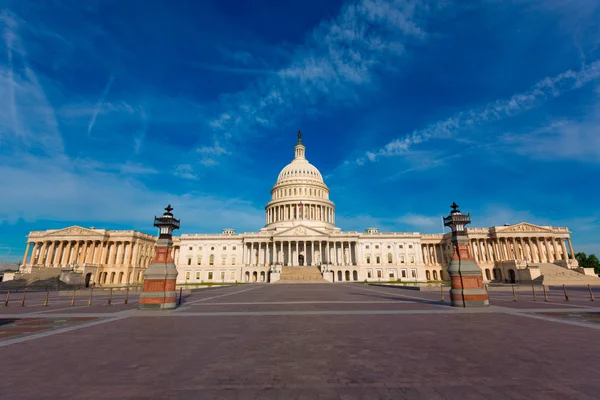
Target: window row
x=390 y=259
x=191 y=248
x=209 y=275
x=391 y=274
x=401 y=246
x=211 y=260
x=299 y=191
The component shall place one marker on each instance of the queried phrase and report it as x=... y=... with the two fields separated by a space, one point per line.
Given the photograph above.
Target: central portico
x=300 y=221
x=299 y=232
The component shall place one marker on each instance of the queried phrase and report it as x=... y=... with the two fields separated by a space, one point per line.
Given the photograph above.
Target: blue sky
x=112 y=109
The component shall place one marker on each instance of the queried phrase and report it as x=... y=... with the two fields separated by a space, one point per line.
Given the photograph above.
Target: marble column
x=555 y=246
x=571 y=249
x=565 y=255
x=26 y=253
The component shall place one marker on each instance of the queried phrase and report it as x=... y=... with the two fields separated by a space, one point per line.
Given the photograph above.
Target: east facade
x=299 y=231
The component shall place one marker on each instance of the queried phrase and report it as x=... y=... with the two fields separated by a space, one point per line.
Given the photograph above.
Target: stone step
x=301 y=275
x=556 y=275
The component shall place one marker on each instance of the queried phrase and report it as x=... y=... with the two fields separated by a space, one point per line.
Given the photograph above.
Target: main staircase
x=301 y=275
x=556 y=275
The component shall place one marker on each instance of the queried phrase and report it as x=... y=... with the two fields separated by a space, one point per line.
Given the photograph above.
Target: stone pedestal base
x=159 y=284
x=158 y=294
x=467 y=285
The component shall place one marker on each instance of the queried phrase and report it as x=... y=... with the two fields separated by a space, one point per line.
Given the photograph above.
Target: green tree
x=590 y=261
x=581 y=259
x=593 y=262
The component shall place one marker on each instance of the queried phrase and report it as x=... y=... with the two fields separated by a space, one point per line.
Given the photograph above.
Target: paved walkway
x=322 y=341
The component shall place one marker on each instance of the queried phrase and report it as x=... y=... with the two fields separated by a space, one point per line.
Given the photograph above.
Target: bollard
x=566 y=295
x=7 y=297
x=47 y=295
x=127 y=295
x=533 y=291
x=91 y=294
x=545 y=294
x=442 y=291
x=24 y=295
x=180 y=295
x=73 y=298
x=110 y=297
x=514 y=294
x=591 y=293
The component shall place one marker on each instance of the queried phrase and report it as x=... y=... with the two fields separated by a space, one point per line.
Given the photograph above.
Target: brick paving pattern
x=322 y=341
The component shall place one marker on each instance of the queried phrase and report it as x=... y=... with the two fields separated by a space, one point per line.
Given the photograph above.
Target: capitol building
x=299 y=240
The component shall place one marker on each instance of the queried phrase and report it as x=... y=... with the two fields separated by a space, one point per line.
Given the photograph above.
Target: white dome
x=300 y=169
x=300 y=196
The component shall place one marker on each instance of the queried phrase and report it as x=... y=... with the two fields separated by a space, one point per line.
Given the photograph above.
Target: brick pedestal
x=466 y=279
x=159 y=280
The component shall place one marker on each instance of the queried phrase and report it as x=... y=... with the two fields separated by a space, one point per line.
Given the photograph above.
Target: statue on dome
x=299 y=137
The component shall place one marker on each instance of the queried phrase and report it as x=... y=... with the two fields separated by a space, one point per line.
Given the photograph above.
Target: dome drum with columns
x=300 y=195
x=300 y=232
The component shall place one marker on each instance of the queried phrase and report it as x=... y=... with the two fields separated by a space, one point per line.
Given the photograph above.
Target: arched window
x=368 y=260
x=294 y=190
x=435 y=275
x=487 y=274
x=389 y=258
x=211 y=260
x=378 y=260
x=427 y=275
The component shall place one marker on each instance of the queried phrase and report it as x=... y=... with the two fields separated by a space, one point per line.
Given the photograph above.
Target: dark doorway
x=301 y=260
x=511 y=273
x=88 y=277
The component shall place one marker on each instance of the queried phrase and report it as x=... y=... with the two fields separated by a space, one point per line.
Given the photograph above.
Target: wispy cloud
x=185 y=171
x=339 y=58
x=27 y=119
x=549 y=87
x=100 y=102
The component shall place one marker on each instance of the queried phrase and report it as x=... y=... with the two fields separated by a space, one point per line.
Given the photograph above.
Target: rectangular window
x=187 y=275
x=198 y=261
x=210 y=276
x=189 y=261
x=379 y=273
x=401 y=246
x=413 y=272
x=234 y=248
x=392 y=273
x=232 y=277
x=197 y=275
x=412 y=259
x=233 y=261
x=222 y=275
x=369 y=273
x=191 y=247
x=404 y=273
x=402 y=260
x=224 y=248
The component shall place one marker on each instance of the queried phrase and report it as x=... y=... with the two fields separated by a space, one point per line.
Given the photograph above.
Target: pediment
x=75 y=231
x=524 y=227
x=299 y=231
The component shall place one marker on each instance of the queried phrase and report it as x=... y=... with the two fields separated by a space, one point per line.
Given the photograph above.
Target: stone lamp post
x=160 y=276
x=466 y=279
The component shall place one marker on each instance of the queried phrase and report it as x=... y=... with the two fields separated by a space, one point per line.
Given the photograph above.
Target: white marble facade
x=299 y=231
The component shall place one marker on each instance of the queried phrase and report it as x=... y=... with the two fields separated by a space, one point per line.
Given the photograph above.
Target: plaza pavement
x=305 y=341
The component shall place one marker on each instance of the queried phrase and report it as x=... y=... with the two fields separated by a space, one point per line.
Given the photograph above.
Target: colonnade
x=533 y=249
x=310 y=211
x=433 y=254
x=67 y=252
x=290 y=252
